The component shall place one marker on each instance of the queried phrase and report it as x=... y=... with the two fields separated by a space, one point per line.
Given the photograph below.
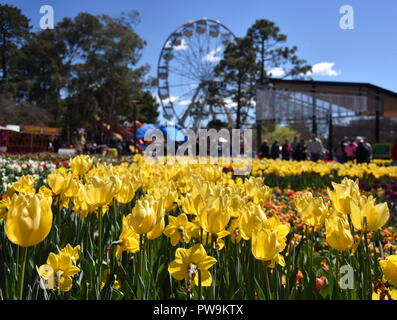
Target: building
x=332 y=110
x=26 y=139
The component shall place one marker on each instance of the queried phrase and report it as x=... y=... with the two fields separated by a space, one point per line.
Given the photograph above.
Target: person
x=350 y=150
x=294 y=144
x=340 y=152
x=275 y=151
x=369 y=146
x=394 y=153
x=286 y=150
x=119 y=147
x=300 y=151
x=315 y=148
x=264 y=150
x=363 y=153
x=80 y=143
x=50 y=146
x=56 y=144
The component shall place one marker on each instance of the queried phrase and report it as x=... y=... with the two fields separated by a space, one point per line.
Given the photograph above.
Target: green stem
x=269 y=295
x=363 y=267
x=22 y=272
x=100 y=250
x=141 y=261
x=368 y=264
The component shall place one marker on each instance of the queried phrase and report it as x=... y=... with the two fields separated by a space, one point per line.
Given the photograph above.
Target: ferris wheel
x=187 y=84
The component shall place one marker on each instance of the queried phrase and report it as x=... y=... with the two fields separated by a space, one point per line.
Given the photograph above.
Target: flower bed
x=90 y=229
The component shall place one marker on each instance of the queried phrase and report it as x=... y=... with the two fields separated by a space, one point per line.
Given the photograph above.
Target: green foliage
x=272 y=133
x=236 y=70
x=268 y=43
x=86 y=66
x=249 y=61
x=14 y=31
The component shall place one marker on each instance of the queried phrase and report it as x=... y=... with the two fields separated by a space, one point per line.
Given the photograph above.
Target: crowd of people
x=354 y=149
x=347 y=150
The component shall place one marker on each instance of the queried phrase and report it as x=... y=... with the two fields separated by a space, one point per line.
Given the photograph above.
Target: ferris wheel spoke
x=181 y=73
x=183 y=85
x=229 y=116
x=194 y=52
x=187 y=111
x=187 y=63
x=189 y=58
x=186 y=96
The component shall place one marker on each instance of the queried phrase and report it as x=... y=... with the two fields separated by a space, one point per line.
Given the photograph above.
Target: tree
x=14 y=31
x=280 y=134
x=250 y=61
x=42 y=75
x=107 y=70
x=236 y=70
x=85 y=67
x=268 y=43
x=147 y=108
x=216 y=124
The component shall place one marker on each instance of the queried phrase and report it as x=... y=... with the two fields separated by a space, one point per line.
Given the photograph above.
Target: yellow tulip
x=266 y=247
x=81 y=164
x=23 y=185
x=29 y=219
x=215 y=216
x=157 y=230
x=259 y=193
x=168 y=194
x=188 y=262
x=236 y=203
x=389 y=269
x=45 y=191
x=269 y=240
x=100 y=192
x=301 y=200
x=282 y=229
x=343 y=193
x=146 y=214
x=72 y=188
x=338 y=232
x=313 y=210
x=192 y=204
x=58 y=182
x=252 y=218
x=81 y=206
x=128 y=240
x=234 y=231
x=5 y=203
x=126 y=192
x=366 y=216
x=169 y=200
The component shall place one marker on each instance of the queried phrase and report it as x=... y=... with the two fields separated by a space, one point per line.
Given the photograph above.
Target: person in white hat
x=363 y=154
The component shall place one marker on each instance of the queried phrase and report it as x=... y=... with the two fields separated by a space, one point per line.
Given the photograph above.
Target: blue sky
x=368 y=53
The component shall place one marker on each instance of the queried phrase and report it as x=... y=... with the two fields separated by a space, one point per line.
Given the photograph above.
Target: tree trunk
x=3 y=57
x=238 y=116
x=262 y=63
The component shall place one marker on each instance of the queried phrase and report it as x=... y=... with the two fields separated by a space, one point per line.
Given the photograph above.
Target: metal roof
x=372 y=92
